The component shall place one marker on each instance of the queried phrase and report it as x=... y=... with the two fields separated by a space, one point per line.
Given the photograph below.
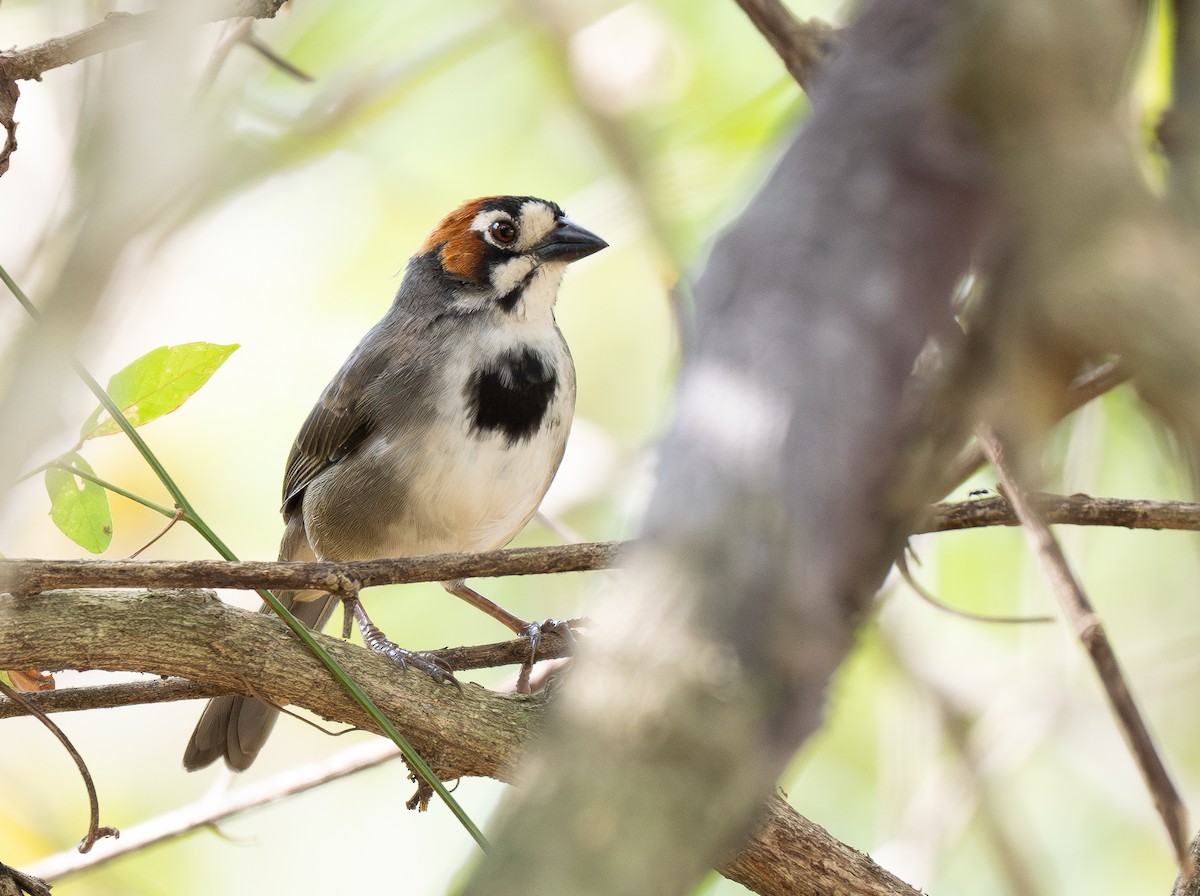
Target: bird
x=441 y=431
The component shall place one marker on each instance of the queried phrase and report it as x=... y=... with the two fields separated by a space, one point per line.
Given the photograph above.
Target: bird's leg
x=531 y=630
x=375 y=640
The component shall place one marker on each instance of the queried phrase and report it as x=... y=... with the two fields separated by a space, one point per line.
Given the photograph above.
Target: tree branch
x=475 y=733
x=1074 y=510
x=1090 y=631
x=804 y=47
x=32 y=576
x=207 y=812
x=337 y=578
x=110 y=696
x=118 y=30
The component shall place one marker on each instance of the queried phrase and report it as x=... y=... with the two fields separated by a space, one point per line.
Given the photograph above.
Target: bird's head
x=498 y=247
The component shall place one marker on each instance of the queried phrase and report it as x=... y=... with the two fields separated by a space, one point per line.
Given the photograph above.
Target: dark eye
x=503 y=232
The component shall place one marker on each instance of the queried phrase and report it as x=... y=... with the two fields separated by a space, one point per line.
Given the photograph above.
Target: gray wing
x=349 y=410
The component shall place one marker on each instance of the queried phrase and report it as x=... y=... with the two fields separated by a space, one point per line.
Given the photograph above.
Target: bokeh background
x=967 y=758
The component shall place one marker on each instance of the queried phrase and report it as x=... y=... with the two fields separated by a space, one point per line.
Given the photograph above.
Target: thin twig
x=119 y=30
x=552 y=645
x=94 y=831
x=1074 y=510
x=234 y=33
x=930 y=598
x=165 y=529
x=1088 y=628
x=256 y=43
x=126 y=693
x=956 y=725
x=32 y=576
x=211 y=811
x=804 y=47
x=28 y=577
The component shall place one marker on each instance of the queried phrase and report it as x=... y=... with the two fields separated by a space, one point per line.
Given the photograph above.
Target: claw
x=534 y=631
x=433 y=666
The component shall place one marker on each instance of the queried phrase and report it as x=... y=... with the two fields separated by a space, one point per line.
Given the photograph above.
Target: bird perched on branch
x=441 y=432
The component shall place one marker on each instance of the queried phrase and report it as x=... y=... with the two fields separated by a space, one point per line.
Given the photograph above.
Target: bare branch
x=16 y=883
x=131 y=693
x=95 y=831
x=1189 y=884
x=476 y=732
x=119 y=30
x=804 y=47
x=1075 y=510
x=1090 y=631
x=32 y=576
x=127 y=693
x=337 y=578
x=933 y=600
x=206 y=812
x=9 y=93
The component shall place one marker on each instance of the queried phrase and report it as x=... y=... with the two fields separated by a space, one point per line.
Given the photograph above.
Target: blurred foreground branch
x=477 y=732
x=774 y=518
x=119 y=29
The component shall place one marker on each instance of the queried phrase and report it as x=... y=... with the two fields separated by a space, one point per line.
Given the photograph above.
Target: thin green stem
x=110 y=486
x=416 y=763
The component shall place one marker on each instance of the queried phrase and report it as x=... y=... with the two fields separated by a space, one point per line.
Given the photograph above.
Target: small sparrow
x=441 y=432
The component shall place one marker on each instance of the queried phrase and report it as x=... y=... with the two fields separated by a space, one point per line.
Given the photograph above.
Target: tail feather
x=235 y=728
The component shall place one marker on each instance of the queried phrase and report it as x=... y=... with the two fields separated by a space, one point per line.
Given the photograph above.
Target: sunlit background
x=966 y=758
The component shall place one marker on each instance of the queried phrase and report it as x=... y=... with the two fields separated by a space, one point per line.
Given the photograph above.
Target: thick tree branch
x=131 y=693
x=478 y=732
x=121 y=29
x=193 y=635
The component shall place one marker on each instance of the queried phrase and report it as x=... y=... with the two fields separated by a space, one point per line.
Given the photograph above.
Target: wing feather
x=343 y=417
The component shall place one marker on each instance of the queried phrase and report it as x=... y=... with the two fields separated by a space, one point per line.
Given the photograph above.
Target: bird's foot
x=433 y=666
x=533 y=632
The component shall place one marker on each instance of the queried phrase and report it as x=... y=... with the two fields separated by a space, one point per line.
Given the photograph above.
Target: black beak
x=569 y=242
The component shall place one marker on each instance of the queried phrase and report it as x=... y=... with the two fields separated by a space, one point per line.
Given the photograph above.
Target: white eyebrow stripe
x=535 y=220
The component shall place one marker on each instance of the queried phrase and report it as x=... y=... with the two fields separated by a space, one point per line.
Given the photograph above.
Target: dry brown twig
x=95 y=831
x=119 y=30
x=1090 y=631
x=31 y=576
x=804 y=47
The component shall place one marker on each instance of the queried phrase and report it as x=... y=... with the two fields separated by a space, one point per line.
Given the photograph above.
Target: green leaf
x=157 y=383
x=79 y=507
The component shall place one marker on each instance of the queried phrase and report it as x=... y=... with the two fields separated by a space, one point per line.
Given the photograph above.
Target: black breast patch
x=511 y=395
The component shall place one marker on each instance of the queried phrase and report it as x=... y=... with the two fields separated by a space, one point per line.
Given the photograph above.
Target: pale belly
x=455 y=492
x=478 y=495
